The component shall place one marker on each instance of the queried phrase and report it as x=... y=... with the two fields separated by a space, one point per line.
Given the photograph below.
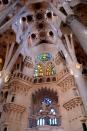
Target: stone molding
x=13 y=107
x=67 y=83
x=73 y=103
x=58 y=59
x=19 y=86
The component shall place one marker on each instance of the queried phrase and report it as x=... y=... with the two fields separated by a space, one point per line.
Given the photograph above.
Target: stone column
x=79 y=30
x=82 y=88
x=28 y=67
x=14 y=58
x=75 y=70
x=77 y=27
x=66 y=7
x=62 y=112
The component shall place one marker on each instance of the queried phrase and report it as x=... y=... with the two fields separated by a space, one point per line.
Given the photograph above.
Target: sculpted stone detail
x=13 y=107
x=41 y=82
x=67 y=83
x=58 y=59
x=18 y=86
x=62 y=74
x=73 y=103
x=19 y=75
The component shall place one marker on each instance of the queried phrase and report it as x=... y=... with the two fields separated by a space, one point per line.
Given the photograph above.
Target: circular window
x=47 y=101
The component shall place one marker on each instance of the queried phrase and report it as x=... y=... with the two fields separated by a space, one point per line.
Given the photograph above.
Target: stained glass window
x=47 y=101
x=44 y=57
x=50 y=70
x=44 y=66
x=38 y=70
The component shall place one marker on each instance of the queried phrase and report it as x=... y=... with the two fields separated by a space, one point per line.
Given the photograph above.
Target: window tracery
x=51 y=117
x=47 y=101
x=44 y=67
x=39 y=70
x=50 y=69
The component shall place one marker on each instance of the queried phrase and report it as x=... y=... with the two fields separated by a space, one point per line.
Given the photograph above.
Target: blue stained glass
x=44 y=57
x=47 y=101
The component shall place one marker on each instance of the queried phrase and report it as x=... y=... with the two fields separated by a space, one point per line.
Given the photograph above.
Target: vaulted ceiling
x=8 y=36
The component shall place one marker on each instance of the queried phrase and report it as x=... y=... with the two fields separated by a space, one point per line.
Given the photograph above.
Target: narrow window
x=84 y=127
x=37 y=122
x=0 y=114
x=12 y=100
x=41 y=122
x=55 y=121
x=6 y=94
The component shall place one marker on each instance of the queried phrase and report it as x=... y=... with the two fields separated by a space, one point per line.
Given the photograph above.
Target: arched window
x=38 y=71
x=50 y=69
x=53 y=121
x=40 y=122
x=13 y=98
x=47 y=113
x=44 y=66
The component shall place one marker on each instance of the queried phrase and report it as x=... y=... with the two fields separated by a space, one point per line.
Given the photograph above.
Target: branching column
x=9 y=64
x=74 y=68
x=77 y=27
x=79 y=30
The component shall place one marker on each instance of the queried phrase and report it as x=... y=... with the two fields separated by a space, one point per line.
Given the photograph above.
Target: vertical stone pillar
x=82 y=87
x=79 y=30
x=28 y=67
x=75 y=70
x=67 y=8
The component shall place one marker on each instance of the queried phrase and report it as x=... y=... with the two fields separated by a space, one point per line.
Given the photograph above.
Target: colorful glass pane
x=44 y=57
x=38 y=70
x=47 y=101
x=46 y=71
x=50 y=70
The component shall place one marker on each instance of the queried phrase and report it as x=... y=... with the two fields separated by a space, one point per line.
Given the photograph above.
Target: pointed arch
x=39 y=70
x=50 y=69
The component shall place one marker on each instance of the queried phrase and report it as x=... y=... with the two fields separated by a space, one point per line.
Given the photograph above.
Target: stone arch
x=37 y=95
x=48 y=87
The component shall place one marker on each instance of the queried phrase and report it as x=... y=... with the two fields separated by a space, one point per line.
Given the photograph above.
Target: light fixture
x=6 y=79
x=0 y=60
x=0 y=74
x=78 y=66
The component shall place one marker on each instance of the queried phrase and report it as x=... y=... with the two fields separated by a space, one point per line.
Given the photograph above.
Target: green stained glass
x=44 y=57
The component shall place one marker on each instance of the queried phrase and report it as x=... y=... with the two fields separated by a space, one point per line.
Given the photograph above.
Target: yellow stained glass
x=0 y=60
x=44 y=71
